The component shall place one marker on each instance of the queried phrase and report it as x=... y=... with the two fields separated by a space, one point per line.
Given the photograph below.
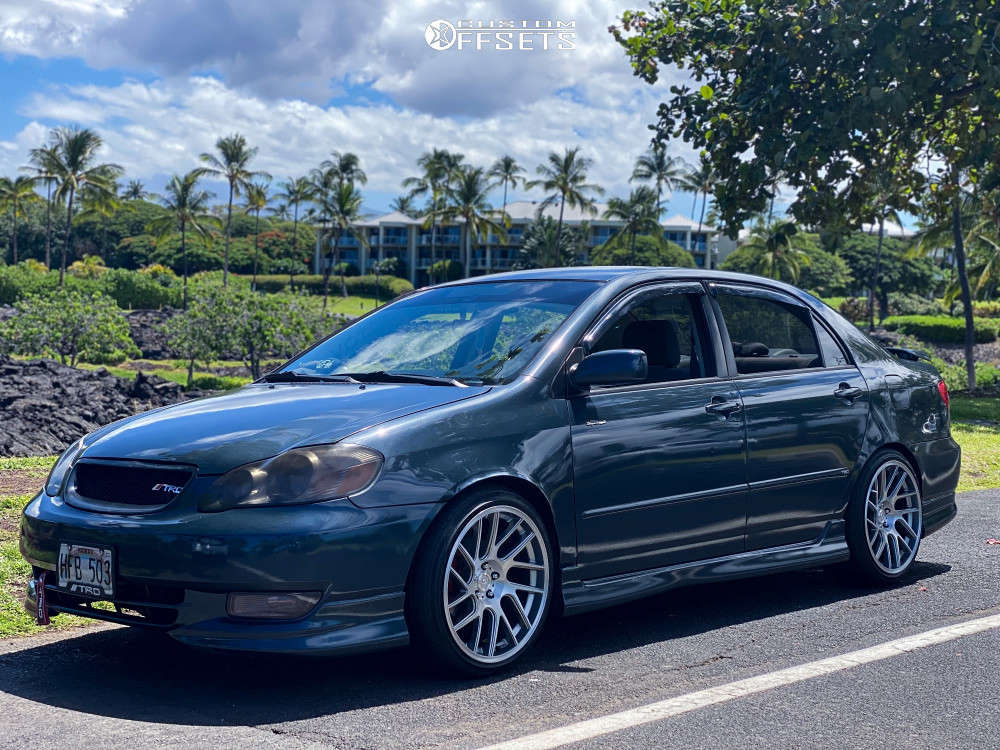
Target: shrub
x=389 y=286
x=136 y=289
x=914 y=304
x=217 y=382
x=447 y=270
x=71 y=325
x=855 y=309
x=987 y=374
x=17 y=282
x=986 y=309
x=941 y=329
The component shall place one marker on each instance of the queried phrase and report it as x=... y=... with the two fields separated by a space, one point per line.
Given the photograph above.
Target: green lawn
x=353 y=306
x=14 y=571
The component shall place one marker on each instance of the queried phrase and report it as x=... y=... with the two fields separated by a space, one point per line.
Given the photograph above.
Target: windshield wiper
x=381 y=376
x=291 y=376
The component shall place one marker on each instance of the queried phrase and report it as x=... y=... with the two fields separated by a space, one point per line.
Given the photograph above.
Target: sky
x=161 y=80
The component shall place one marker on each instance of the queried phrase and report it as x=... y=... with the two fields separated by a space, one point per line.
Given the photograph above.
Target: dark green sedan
x=458 y=465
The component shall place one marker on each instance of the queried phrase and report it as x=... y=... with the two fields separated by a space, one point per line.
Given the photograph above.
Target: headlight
x=302 y=475
x=57 y=477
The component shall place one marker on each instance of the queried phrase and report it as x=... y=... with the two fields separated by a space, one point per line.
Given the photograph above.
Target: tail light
x=943 y=390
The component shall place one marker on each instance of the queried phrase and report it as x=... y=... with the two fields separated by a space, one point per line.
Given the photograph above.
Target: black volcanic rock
x=45 y=406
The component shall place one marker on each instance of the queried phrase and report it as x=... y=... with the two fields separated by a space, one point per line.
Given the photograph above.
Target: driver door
x=659 y=466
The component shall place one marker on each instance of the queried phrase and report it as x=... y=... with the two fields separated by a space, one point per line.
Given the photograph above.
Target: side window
x=668 y=328
x=768 y=335
x=833 y=354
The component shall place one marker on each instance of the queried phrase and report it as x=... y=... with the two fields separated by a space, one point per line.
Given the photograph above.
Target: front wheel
x=885 y=519
x=482 y=585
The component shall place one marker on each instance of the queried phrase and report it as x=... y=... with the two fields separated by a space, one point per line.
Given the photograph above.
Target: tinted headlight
x=302 y=475
x=57 y=477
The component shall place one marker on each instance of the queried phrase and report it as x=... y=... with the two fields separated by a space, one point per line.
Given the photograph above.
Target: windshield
x=482 y=333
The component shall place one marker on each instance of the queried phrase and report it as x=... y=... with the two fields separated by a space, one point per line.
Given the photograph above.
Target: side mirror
x=613 y=367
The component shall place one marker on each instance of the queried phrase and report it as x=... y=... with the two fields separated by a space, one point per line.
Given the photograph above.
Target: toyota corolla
x=461 y=463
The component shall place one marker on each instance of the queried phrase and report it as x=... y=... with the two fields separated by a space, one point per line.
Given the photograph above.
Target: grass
x=353 y=306
x=168 y=370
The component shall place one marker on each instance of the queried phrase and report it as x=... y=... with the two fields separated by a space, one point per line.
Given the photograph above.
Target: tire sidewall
x=425 y=611
x=857 y=541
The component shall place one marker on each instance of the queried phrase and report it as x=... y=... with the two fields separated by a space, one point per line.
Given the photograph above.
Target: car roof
x=604 y=274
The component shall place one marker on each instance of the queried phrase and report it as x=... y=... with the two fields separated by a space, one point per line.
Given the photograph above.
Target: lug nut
x=495 y=575
x=489 y=594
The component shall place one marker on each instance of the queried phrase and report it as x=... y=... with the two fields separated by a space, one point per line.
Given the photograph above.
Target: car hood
x=219 y=433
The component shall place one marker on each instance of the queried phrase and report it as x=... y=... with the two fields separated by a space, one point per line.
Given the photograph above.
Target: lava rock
x=45 y=406
x=146 y=329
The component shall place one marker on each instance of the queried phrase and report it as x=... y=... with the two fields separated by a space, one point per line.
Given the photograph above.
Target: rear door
x=806 y=410
x=659 y=466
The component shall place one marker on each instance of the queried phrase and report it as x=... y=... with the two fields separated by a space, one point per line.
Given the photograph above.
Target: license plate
x=86 y=570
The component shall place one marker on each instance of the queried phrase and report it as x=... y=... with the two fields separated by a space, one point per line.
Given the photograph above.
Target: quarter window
x=768 y=335
x=833 y=354
x=667 y=328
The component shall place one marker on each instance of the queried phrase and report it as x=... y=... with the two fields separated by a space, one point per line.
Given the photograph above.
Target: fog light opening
x=272 y=605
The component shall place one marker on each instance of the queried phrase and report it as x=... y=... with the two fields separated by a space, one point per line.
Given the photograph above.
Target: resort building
x=396 y=235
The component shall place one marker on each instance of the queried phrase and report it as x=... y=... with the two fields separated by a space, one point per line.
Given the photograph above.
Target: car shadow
x=133 y=674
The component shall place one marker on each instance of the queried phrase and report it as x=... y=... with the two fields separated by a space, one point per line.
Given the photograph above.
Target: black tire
x=430 y=630
x=863 y=563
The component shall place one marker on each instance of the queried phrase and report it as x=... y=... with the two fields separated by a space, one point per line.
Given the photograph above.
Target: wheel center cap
x=484 y=579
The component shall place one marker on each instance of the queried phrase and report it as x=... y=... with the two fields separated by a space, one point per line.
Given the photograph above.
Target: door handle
x=847 y=392
x=723 y=408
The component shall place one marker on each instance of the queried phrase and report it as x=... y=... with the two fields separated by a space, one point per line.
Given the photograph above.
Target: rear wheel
x=482 y=586
x=885 y=519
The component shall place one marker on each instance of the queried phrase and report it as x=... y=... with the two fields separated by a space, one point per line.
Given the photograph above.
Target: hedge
x=941 y=329
x=388 y=286
x=986 y=309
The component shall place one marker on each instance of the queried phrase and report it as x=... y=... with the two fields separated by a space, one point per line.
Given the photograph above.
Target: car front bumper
x=174 y=571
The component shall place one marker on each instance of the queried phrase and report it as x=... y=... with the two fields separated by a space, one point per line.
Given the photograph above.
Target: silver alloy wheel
x=496 y=583
x=893 y=517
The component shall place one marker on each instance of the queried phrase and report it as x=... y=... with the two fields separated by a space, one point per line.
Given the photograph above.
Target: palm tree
x=72 y=169
x=44 y=161
x=467 y=201
x=776 y=251
x=16 y=195
x=135 y=191
x=565 y=179
x=294 y=192
x=439 y=167
x=187 y=208
x=344 y=167
x=884 y=190
x=98 y=206
x=638 y=214
x=700 y=181
x=257 y=200
x=404 y=204
x=234 y=167
x=508 y=172
x=656 y=166
x=343 y=205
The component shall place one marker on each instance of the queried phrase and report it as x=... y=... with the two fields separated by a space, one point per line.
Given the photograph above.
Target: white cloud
x=160 y=128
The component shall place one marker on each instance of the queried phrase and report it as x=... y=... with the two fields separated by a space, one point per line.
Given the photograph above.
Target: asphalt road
x=115 y=687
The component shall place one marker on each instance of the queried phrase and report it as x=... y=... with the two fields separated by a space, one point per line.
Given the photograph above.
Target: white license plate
x=86 y=570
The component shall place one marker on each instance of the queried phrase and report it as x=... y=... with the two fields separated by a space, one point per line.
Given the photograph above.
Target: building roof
x=393 y=217
x=527 y=210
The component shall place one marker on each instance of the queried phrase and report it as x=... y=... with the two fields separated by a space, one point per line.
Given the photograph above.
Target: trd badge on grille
x=167 y=488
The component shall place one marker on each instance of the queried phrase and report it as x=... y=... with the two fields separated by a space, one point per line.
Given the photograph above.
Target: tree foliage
x=70 y=325
x=650 y=250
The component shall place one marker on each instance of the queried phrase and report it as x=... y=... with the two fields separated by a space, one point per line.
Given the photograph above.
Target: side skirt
x=582 y=596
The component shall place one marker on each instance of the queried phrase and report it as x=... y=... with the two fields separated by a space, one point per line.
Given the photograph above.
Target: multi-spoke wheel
x=885 y=520
x=482 y=586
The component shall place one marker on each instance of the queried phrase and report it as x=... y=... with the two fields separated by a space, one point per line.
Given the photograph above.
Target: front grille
x=126 y=483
